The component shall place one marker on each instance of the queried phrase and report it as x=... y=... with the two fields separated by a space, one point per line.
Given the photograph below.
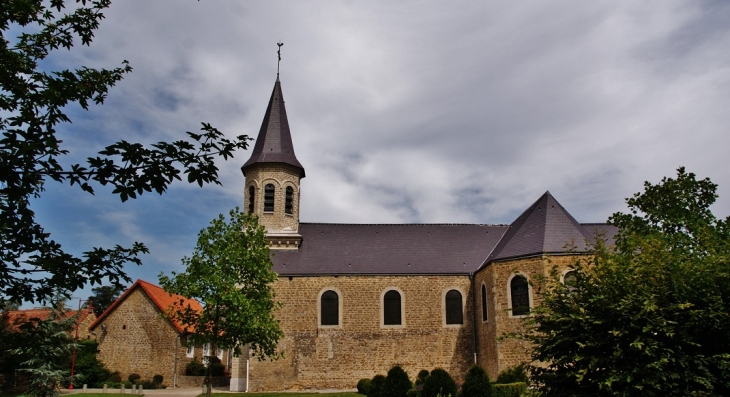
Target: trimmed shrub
x=363 y=386
x=115 y=377
x=439 y=382
x=513 y=374
x=509 y=389
x=476 y=383
x=397 y=382
x=421 y=377
x=195 y=368
x=377 y=386
x=133 y=378
x=157 y=379
x=413 y=393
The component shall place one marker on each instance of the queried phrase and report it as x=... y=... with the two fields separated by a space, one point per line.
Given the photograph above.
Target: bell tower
x=272 y=177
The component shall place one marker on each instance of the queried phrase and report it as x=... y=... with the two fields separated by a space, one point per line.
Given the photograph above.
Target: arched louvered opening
x=269 y=192
x=289 y=201
x=251 y=199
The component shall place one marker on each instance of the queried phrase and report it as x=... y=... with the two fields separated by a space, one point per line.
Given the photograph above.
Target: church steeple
x=274 y=144
x=273 y=174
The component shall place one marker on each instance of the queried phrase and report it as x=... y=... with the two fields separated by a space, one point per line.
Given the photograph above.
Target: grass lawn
x=288 y=394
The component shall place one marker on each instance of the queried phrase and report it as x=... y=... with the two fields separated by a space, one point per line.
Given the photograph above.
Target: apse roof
x=274 y=144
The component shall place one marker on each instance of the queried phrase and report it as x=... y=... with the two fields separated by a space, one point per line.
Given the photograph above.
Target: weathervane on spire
x=279 y=62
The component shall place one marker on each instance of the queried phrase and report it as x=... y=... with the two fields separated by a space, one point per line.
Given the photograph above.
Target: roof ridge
x=403 y=224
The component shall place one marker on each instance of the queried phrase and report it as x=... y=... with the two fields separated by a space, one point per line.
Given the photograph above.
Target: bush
x=476 y=383
x=195 y=368
x=513 y=375
x=157 y=379
x=439 y=382
x=397 y=382
x=115 y=377
x=421 y=377
x=148 y=384
x=133 y=377
x=363 y=386
x=509 y=389
x=413 y=393
x=88 y=369
x=377 y=386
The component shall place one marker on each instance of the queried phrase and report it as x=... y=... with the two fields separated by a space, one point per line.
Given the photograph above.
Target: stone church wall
x=321 y=357
x=497 y=352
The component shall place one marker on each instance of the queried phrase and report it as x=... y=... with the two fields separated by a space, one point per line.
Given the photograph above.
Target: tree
x=103 y=296
x=43 y=348
x=32 y=105
x=651 y=316
x=230 y=273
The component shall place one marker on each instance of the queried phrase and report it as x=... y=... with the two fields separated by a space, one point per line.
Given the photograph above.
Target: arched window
x=289 y=200
x=329 y=308
x=569 y=279
x=392 y=308
x=454 y=313
x=520 y=292
x=269 y=198
x=251 y=195
x=484 y=302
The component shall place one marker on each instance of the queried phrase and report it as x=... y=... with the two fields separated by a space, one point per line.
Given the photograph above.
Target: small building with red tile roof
x=86 y=318
x=135 y=335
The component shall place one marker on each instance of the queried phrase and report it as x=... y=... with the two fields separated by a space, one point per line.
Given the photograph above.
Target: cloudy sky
x=407 y=111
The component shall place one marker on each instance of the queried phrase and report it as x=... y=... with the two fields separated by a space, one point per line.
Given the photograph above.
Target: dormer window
x=269 y=191
x=251 y=195
x=288 y=204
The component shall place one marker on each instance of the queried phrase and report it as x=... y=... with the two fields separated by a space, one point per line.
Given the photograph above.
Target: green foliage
x=513 y=374
x=397 y=382
x=363 y=386
x=421 y=377
x=649 y=317
x=133 y=378
x=509 y=389
x=103 y=296
x=413 y=393
x=45 y=346
x=377 y=386
x=230 y=273
x=195 y=368
x=439 y=382
x=88 y=369
x=476 y=383
x=157 y=379
x=32 y=105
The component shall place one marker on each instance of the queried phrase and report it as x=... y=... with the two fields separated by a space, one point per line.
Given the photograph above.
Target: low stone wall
x=197 y=381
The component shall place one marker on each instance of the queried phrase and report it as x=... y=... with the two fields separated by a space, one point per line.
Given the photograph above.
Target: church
x=360 y=298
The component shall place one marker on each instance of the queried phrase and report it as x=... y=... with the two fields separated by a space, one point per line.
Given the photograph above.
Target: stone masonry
x=320 y=357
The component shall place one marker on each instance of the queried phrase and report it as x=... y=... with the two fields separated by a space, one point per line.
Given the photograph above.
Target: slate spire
x=544 y=228
x=274 y=144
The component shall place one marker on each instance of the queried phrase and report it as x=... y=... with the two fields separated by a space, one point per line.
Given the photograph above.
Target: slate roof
x=545 y=227
x=413 y=249
x=347 y=249
x=157 y=295
x=274 y=144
